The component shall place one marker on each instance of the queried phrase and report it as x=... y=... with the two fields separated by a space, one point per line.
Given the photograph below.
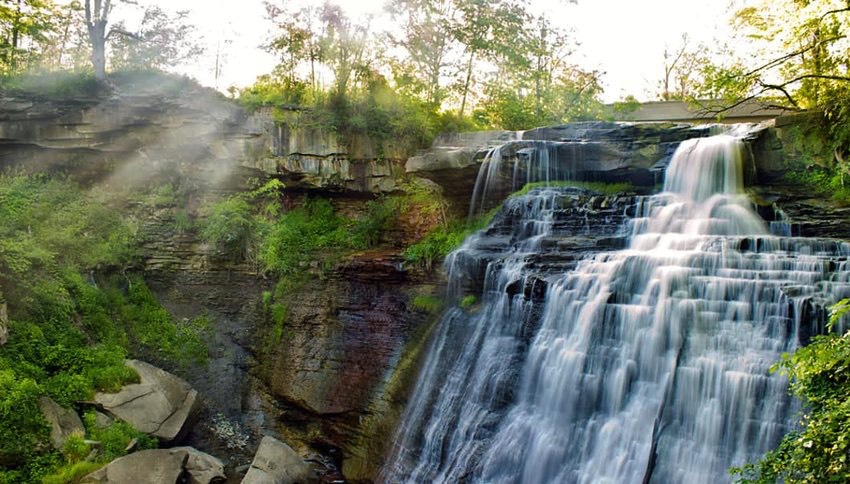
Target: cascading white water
x=649 y=364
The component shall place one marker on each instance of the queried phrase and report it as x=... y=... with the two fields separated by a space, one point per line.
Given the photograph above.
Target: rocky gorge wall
x=330 y=382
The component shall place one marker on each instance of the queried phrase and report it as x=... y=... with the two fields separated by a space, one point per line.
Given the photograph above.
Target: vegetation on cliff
x=820 y=450
x=75 y=313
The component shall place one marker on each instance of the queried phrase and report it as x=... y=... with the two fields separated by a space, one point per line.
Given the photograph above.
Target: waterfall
x=646 y=364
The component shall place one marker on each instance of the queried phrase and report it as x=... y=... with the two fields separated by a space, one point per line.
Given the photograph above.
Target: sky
x=623 y=38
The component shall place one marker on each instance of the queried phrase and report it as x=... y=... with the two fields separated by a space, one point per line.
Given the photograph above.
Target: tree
x=811 y=36
x=343 y=46
x=22 y=21
x=427 y=43
x=810 y=73
x=682 y=70
x=97 y=17
x=296 y=42
x=486 y=29
x=161 y=41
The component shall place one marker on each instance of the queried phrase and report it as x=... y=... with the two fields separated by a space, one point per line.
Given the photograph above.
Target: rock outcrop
x=161 y=466
x=276 y=463
x=161 y=405
x=597 y=151
x=64 y=422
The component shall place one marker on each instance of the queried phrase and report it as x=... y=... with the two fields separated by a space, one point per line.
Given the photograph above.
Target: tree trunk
x=466 y=84
x=97 y=37
x=16 y=30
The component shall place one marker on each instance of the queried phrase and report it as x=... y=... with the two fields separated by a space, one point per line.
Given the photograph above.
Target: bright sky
x=623 y=38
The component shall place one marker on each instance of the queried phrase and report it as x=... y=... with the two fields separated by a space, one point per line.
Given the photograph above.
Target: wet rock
x=160 y=466
x=64 y=422
x=600 y=151
x=161 y=405
x=276 y=462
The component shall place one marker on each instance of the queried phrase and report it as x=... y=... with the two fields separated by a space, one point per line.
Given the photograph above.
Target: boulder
x=64 y=422
x=161 y=405
x=276 y=463
x=160 y=466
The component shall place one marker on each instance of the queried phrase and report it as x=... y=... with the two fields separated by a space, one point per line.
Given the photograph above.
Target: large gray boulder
x=276 y=463
x=161 y=405
x=64 y=422
x=160 y=466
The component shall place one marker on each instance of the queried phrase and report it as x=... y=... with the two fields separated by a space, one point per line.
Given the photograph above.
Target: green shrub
x=72 y=473
x=230 y=228
x=822 y=181
x=296 y=237
x=445 y=238
x=115 y=438
x=70 y=334
x=468 y=301
x=380 y=217
x=21 y=423
x=820 y=450
x=428 y=304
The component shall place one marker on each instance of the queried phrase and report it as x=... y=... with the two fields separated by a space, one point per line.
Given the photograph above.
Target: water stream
x=645 y=364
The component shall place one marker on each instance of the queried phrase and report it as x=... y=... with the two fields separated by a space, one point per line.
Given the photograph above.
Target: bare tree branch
x=780 y=60
x=120 y=31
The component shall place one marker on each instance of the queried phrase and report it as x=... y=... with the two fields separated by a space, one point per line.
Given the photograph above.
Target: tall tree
x=343 y=46
x=427 y=42
x=97 y=17
x=160 y=41
x=682 y=67
x=487 y=29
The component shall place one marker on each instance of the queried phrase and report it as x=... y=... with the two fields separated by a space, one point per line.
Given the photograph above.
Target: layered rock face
x=164 y=126
x=338 y=369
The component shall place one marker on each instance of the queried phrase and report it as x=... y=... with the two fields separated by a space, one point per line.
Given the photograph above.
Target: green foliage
x=820 y=450
x=295 y=237
x=115 y=437
x=468 y=301
x=69 y=334
x=445 y=238
x=53 y=84
x=72 y=472
x=379 y=219
x=75 y=448
x=230 y=228
x=426 y=303
x=21 y=423
x=599 y=187
x=25 y=27
x=278 y=311
x=155 y=332
x=389 y=118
